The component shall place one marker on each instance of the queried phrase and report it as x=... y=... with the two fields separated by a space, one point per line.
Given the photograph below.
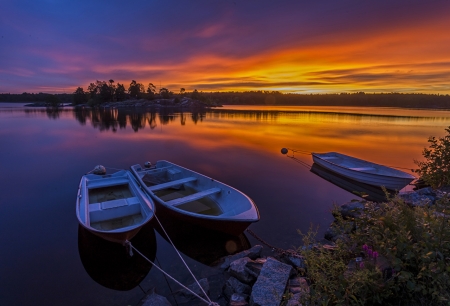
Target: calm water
x=46 y=259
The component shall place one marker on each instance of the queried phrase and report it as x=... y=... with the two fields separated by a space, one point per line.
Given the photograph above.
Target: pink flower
x=375 y=254
x=361 y=265
x=369 y=252
x=365 y=247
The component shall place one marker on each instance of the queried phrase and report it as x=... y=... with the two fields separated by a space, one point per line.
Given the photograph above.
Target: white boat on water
x=363 y=171
x=113 y=206
x=191 y=197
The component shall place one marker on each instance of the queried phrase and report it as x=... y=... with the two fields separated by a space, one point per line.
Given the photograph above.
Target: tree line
x=99 y=92
x=107 y=91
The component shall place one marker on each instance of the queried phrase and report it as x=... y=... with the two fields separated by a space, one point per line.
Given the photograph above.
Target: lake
x=45 y=259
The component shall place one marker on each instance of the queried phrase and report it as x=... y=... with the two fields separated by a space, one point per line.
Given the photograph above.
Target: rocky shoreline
x=249 y=278
x=184 y=103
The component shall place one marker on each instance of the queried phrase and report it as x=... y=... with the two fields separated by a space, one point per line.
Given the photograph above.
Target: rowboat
x=191 y=197
x=113 y=206
x=368 y=192
x=363 y=171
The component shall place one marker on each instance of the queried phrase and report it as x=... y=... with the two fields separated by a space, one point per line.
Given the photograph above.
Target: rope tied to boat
x=275 y=249
x=184 y=262
x=209 y=302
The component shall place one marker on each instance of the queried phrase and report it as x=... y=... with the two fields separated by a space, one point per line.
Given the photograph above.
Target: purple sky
x=291 y=46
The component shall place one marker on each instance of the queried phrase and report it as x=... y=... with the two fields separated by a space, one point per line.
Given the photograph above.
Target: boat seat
x=329 y=157
x=171 y=183
x=193 y=197
x=108 y=210
x=362 y=168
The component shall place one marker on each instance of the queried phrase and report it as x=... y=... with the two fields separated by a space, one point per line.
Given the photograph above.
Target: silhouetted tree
x=105 y=93
x=53 y=100
x=164 y=92
x=120 y=92
x=135 y=89
x=182 y=91
x=151 y=89
x=112 y=89
x=79 y=96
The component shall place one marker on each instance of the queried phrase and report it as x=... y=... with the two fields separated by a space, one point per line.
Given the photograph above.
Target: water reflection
x=204 y=246
x=110 y=265
x=368 y=192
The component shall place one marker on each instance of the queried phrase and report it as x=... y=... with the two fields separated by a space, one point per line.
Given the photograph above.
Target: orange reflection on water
x=387 y=136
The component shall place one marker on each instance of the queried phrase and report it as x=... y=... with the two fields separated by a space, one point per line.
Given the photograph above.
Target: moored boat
x=113 y=206
x=363 y=171
x=191 y=197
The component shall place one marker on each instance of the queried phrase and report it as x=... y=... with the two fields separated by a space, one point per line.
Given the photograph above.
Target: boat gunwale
x=137 y=192
x=253 y=207
x=410 y=176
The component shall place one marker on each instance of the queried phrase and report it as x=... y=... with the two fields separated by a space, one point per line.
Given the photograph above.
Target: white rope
x=128 y=244
x=185 y=264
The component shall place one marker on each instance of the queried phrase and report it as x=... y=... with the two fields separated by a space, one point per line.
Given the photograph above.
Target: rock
x=352 y=209
x=415 y=198
x=183 y=295
x=296 y=262
x=251 y=253
x=239 y=270
x=154 y=299
x=238 y=300
x=426 y=191
x=254 y=267
x=271 y=283
x=294 y=300
x=298 y=285
x=232 y=286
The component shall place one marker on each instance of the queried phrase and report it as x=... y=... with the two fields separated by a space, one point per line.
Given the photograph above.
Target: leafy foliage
x=412 y=269
x=435 y=170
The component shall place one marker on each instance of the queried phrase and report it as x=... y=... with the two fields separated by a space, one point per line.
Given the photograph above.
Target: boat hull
x=389 y=178
x=231 y=227
x=120 y=237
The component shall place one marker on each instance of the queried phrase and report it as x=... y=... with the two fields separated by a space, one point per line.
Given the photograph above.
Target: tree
x=53 y=100
x=92 y=89
x=151 y=89
x=182 y=90
x=164 y=92
x=435 y=170
x=120 y=92
x=79 y=96
x=135 y=89
x=112 y=88
x=105 y=93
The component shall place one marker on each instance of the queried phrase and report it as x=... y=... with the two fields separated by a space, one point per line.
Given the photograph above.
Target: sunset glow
x=288 y=46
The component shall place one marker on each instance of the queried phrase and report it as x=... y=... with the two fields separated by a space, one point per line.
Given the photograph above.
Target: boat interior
x=350 y=163
x=113 y=207
x=172 y=186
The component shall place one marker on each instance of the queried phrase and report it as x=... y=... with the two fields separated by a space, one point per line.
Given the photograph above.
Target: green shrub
x=435 y=170
x=412 y=265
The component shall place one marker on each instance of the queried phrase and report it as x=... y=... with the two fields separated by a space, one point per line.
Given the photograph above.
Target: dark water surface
x=45 y=259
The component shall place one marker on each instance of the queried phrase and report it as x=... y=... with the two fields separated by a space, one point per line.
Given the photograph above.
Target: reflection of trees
x=53 y=112
x=196 y=116
x=106 y=119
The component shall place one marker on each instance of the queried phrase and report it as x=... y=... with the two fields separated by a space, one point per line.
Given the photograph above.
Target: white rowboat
x=363 y=171
x=113 y=206
x=191 y=197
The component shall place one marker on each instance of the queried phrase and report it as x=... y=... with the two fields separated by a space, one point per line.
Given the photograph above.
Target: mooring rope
x=184 y=262
x=278 y=250
x=128 y=244
x=306 y=165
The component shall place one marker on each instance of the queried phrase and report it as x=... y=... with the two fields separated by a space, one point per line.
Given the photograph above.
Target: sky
x=323 y=46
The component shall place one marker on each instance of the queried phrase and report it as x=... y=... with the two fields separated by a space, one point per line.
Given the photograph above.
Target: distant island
x=107 y=93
